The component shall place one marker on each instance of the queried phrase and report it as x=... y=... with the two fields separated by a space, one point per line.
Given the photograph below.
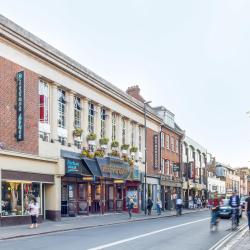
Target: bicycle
x=234 y=218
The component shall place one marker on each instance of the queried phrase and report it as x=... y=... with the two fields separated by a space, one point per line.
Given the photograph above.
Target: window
x=113 y=126
x=91 y=118
x=44 y=136
x=61 y=108
x=162 y=140
x=133 y=134
x=167 y=167
x=177 y=146
x=140 y=139
x=172 y=144
x=167 y=141
x=123 y=131
x=44 y=102
x=103 y=118
x=62 y=140
x=16 y=196
x=77 y=112
x=77 y=144
x=162 y=166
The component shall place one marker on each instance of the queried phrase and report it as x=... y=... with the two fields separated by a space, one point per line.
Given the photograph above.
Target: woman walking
x=34 y=212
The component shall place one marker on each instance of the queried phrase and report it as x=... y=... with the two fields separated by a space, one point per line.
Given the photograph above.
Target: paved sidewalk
x=243 y=243
x=80 y=222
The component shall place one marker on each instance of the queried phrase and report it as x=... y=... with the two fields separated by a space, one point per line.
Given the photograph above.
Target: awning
x=92 y=166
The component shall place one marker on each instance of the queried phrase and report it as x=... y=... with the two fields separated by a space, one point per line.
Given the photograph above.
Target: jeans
x=158 y=209
x=33 y=219
x=248 y=216
x=214 y=217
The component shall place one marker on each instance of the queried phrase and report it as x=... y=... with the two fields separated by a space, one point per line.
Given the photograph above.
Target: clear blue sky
x=191 y=56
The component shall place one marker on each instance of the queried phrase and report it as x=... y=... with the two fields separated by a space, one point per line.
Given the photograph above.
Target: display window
x=16 y=196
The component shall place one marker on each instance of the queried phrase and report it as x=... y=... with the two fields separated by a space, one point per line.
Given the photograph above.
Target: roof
x=43 y=46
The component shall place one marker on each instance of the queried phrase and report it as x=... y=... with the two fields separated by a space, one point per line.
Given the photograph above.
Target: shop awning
x=92 y=166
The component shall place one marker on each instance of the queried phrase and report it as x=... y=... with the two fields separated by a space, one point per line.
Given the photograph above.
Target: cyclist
x=234 y=202
x=215 y=204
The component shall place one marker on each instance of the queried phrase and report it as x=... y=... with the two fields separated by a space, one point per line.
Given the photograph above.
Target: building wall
x=8 y=100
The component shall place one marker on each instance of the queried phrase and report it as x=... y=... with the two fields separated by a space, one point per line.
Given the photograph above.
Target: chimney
x=134 y=91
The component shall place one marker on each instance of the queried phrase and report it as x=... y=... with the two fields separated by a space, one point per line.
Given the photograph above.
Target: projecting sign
x=155 y=150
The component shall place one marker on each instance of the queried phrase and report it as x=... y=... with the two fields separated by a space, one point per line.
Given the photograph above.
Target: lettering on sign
x=72 y=166
x=20 y=106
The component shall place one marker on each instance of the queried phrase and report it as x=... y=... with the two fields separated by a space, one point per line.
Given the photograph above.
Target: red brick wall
x=8 y=98
x=151 y=170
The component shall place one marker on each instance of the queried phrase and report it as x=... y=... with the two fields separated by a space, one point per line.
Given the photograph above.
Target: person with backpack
x=130 y=206
x=149 y=206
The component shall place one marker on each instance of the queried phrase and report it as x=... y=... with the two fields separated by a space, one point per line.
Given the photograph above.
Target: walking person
x=130 y=207
x=234 y=202
x=149 y=206
x=159 y=206
x=247 y=209
x=199 y=202
x=34 y=212
x=179 y=205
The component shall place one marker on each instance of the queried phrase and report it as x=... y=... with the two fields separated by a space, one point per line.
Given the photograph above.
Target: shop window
x=16 y=197
x=97 y=192
x=31 y=190
x=83 y=191
x=11 y=198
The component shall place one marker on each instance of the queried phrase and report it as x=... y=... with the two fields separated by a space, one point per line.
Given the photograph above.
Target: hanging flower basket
x=104 y=142
x=114 y=144
x=77 y=132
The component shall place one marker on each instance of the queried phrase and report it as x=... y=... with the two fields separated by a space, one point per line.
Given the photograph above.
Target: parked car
x=225 y=211
x=242 y=202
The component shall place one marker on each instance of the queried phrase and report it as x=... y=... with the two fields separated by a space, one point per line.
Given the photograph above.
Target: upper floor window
x=162 y=166
x=123 y=130
x=172 y=144
x=103 y=121
x=133 y=134
x=162 y=140
x=77 y=112
x=113 y=126
x=140 y=139
x=61 y=108
x=91 y=118
x=177 y=146
x=167 y=167
x=167 y=141
x=44 y=101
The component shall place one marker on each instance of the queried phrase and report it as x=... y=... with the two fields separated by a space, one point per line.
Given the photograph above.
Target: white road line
x=144 y=235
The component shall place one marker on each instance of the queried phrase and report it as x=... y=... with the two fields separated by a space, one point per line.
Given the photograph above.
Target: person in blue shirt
x=234 y=202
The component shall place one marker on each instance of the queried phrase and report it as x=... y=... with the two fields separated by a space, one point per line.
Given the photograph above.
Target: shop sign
x=155 y=150
x=20 y=106
x=114 y=168
x=136 y=173
x=176 y=168
x=72 y=166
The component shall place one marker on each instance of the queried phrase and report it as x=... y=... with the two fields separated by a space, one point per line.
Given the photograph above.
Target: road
x=189 y=231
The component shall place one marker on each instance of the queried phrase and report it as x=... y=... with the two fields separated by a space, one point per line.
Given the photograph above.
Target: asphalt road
x=176 y=233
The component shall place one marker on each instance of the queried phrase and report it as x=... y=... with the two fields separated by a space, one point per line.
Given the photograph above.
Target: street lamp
x=145 y=142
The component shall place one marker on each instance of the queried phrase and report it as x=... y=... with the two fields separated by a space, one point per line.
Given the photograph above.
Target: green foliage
x=91 y=137
x=124 y=147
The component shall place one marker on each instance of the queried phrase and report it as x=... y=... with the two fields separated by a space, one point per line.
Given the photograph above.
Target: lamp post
x=145 y=142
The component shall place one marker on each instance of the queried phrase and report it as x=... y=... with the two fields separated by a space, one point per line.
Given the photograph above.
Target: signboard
x=176 y=168
x=115 y=168
x=155 y=151
x=20 y=106
x=73 y=166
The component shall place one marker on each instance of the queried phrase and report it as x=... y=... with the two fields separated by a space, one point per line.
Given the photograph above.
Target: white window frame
x=114 y=126
x=172 y=144
x=162 y=140
x=167 y=141
x=44 y=90
x=91 y=117
x=77 y=112
x=132 y=134
x=140 y=138
x=103 y=122
x=124 y=131
x=177 y=146
x=61 y=100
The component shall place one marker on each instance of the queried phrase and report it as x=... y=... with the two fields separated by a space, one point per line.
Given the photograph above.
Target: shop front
x=171 y=188
x=98 y=185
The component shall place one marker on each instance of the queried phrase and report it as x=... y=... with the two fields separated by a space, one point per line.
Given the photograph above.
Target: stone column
x=84 y=121
x=53 y=112
x=98 y=122
x=70 y=117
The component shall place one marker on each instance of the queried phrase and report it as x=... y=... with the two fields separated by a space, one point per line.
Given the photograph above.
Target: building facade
x=68 y=137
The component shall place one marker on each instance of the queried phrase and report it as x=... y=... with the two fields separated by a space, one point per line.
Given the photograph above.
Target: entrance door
x=119 y=198
x=110 y=198
x=83 y=196
x=96 y=198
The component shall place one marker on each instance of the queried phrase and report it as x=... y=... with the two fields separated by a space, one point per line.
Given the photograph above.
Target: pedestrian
x=130 y=206
x=199 y=202
x=247 y=209
x=179 y=205
x=34 y=212
x=149 y=206
x=159 y=206
x=234 y=202
x=195 y=202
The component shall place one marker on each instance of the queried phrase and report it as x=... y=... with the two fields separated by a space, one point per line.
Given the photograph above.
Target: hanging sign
x=20 y=106
x=155 y=150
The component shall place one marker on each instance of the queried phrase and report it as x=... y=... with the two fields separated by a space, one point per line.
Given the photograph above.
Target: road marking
x=144 y=235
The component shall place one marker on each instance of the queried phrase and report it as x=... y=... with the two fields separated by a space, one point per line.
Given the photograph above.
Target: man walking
x=130 y=206
x=247 y=209
x=235 y=204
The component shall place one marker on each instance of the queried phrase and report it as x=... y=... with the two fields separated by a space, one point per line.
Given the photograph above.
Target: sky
x=193 y=57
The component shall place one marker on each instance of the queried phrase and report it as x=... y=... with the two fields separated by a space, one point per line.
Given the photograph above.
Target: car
x=225 y=210
x=242 y=202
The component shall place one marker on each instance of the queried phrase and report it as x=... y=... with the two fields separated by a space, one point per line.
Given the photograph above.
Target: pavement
x=82 y=222
x=190 y=232
x=242 y=242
